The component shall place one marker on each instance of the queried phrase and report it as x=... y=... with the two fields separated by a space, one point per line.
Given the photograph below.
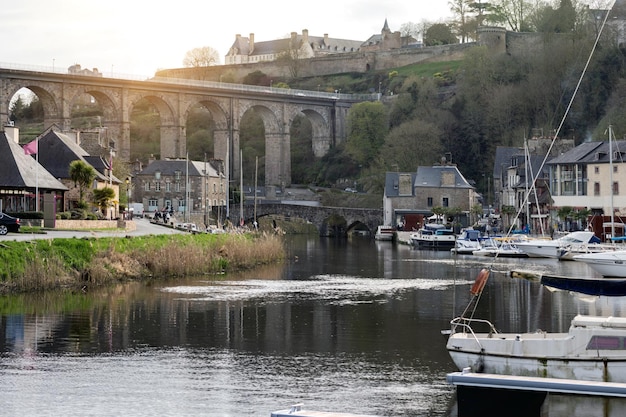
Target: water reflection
x=344 y=326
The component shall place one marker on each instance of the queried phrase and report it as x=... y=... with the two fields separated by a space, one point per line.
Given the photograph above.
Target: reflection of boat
x=547 y=248
x=433 y=236
x=500 y=247
x=609 y=264
x=467 y=242
x=589 y=286
x=384 y=233
x=592 y=350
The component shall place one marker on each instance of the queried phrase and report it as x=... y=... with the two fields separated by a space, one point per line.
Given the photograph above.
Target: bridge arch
x=172 y=132
x=321 y=140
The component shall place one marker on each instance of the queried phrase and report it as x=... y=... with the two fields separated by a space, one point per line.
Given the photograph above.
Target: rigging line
x=567 y=110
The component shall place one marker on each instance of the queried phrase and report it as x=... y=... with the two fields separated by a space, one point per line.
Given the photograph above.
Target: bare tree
x=201 y=57
x=410 y=29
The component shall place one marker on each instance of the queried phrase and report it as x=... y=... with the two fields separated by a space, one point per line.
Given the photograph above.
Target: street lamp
x=128 y=197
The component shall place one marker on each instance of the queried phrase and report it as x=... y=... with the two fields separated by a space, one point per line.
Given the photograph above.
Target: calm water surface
x=351 y=326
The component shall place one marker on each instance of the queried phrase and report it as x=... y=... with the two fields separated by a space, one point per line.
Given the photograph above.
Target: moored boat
x=548 y=248
x=501 y=248
x=384 y=233
x=608 y=264
x=593 y=349
x=433 y=236
x=467 y=242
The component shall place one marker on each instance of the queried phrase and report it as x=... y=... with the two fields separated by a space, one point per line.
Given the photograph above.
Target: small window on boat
x=605 y=343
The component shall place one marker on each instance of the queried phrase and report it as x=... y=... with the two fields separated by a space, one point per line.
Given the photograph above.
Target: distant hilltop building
x=248 y=51
x=76 y=69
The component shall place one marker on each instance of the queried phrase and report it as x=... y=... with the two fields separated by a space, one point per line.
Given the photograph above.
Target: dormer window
x=157 y=175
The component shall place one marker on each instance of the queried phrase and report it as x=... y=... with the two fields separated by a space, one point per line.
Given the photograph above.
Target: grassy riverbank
x=75 y=263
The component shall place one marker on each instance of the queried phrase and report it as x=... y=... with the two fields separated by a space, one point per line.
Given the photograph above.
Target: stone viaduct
x=324 y=218
x=174 y=98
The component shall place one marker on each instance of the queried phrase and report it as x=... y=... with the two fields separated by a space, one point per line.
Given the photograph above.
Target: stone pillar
x=49 y=210
x=173 y=143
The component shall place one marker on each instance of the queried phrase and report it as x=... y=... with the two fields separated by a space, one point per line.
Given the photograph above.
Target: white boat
x=548 y=248
x=467 y=242
x=592 y=350
x=567 y=253
x=499 y=247
x=433 y=236
x=608 y=264
x=384 y=233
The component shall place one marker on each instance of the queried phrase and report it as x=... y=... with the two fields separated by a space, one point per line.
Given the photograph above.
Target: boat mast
x=611 y=179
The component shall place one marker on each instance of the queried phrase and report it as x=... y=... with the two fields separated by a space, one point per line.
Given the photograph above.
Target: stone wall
x=128 y=225
x=331 y=64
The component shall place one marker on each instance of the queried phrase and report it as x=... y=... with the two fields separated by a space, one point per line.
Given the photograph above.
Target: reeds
x=80 y=263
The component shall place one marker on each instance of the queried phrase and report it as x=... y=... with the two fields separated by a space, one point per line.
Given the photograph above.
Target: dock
x=485 y=394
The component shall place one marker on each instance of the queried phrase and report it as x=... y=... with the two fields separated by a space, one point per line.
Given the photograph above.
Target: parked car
x=8 y=224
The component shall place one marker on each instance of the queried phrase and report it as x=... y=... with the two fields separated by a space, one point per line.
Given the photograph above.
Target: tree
x=82 y=174
x=102 y=197
x=367 y=127
x=291 y=56
x=201 y=57
x=515 y=15
x=410 y=29
x=439 y=34
x=461 y=9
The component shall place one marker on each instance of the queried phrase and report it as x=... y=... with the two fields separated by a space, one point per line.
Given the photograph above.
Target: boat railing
x=465 y=324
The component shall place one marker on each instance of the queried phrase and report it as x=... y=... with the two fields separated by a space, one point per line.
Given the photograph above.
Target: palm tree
x=83 y=175
x=102 y=197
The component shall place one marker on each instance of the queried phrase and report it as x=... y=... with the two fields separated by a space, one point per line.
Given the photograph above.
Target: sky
x=139 y=37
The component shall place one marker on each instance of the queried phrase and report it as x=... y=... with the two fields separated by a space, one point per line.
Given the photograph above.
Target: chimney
x=251 y=42
x=305 y=35
x=326 y=39
x=12 y=132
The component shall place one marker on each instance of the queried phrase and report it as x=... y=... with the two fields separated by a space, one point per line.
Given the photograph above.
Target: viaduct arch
x=174 y=99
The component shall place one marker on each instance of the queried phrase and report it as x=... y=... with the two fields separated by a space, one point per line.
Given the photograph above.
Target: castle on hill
x=245 y=50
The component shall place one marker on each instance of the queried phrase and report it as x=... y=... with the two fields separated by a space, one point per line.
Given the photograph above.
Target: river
x=351 y=326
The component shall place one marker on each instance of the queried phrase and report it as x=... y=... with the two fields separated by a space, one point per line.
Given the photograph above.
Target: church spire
x=385 y=27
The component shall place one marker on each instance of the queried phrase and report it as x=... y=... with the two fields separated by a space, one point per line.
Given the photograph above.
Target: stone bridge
x=330 y=221
x=227 y=103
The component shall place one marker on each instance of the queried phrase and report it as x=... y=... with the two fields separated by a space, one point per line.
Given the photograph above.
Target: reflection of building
x=161 y=185
x=409 y=197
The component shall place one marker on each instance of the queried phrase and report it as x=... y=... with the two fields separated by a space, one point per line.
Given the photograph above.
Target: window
x=153 y=203
x=596 y=170
x=168 y=186
x=157 y=186
x=157 y=175
x=605 y=343
x=616 y=188
x=445 y=202
x=177 y=175
x=177 y=187
x=429 y=201
x=147 y=186
x=614 y=168
x=596 y=188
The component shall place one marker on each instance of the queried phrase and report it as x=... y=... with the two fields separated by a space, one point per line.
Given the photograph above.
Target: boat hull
x=608 y=264
x=597 y=369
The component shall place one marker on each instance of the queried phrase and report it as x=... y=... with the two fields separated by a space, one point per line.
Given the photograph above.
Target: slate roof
x=431 y=177
x=503 y=157
x=57 y=151
x=318 y=44
x=591 y=152
x=169 y=167
x=391 y=183
x=20 y=171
